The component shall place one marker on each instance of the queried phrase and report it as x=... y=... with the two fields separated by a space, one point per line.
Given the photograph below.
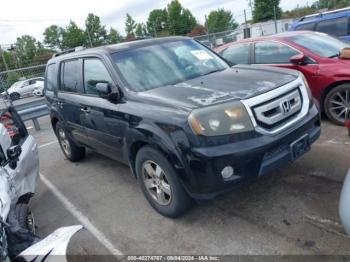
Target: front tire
x=337 y=104
x=15 y=96
x=160 y=183
x=71 y=151
x=25 y=217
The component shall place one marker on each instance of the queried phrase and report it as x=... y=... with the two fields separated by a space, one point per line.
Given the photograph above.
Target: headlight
x=307 y=88
x=224 y=119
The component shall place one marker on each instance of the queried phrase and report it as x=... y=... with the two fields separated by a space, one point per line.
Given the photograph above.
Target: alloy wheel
x=156 y=183
x=339 y=105
x=64 y=142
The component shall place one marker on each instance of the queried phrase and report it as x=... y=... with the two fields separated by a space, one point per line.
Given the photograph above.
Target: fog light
x=227 y=172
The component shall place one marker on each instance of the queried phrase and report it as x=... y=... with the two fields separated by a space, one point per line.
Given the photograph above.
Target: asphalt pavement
x=293 y=211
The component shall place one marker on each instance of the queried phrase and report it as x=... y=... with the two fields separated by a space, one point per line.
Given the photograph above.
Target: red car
x=316 y=55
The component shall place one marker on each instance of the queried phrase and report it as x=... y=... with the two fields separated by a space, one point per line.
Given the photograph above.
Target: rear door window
x=273 y=53
x=237 y=54
x=306 y=27
x=335 y=27
x=51 y=77
x=70 y=76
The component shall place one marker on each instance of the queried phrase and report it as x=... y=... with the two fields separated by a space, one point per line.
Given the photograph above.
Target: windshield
x=166 y=64
x=17 y=84
x=320 y=44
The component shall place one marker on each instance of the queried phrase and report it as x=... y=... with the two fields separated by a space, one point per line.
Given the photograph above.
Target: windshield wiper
x=214 y=71
x=333 y=56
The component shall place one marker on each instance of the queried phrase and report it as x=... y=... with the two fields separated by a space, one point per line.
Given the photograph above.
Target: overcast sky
x=19 y=17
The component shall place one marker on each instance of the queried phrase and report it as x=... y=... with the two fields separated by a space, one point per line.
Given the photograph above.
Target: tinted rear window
x=51 y=77
x=306 y=27
x=237 y=54
x=70 y=78
x=336 y=27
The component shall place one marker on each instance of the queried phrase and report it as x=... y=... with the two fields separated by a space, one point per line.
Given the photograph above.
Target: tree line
x=175 y=19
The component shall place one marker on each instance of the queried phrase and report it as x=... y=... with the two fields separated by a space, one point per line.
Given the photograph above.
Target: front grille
x=279 y=110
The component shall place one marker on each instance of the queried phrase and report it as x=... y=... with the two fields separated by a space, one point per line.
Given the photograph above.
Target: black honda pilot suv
x=189 y=125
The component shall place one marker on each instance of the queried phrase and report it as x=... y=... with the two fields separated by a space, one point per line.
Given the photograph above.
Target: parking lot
x=292 y=211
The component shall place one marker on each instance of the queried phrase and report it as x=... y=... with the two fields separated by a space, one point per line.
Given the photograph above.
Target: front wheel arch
x=138 y=138
x=336 y=103
x=329 y=89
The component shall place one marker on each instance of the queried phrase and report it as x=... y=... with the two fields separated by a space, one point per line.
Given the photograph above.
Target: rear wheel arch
x=54 y=121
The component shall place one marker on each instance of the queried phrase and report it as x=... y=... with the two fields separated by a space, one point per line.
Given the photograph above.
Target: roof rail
x=325 y=13
x=71 y=50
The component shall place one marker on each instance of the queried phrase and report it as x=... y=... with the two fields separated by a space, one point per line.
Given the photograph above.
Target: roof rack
x=71 y=50
x=325 y=13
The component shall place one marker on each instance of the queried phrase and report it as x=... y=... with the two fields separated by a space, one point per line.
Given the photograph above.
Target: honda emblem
x=286 y=107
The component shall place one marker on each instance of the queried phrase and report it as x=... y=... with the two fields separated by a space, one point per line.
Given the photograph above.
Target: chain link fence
x=244 y=31
x=10 y=77
x=216 y=39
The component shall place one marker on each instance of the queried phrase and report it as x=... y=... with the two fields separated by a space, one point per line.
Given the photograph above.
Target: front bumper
x=250 y=158
x=344 y=204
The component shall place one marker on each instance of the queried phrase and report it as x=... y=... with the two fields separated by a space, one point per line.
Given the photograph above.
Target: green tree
x=157 y=21
x=130 y=26
x=12 y=77
x=53 y=36
x=220 y=20
x=141 y=30
x=95 y=33
x=180 y=20
x=330 y=4
x=73 y=36
x=9 y=60
x=114 y=37
x=26 y=49
x=299 y=12
x=138 y=30
x=264 y=10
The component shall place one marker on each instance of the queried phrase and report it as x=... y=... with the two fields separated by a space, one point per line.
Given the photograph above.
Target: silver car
x=25 y=88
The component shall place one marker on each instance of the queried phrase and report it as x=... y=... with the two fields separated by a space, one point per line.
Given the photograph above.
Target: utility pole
x=3 y=59
x=88 y=31
x=246 y=26
x=207 y=27
x=275 y=18
x=155 y=27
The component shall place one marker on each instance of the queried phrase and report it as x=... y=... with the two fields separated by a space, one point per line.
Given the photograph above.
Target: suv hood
x=235 y=83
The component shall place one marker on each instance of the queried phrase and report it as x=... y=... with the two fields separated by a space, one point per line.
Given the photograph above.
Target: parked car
x=19 y=168
x=335 y=23
x=187 y=124
x=17 y=144
x=316 y=55
x=344 y=204
x=24 y=88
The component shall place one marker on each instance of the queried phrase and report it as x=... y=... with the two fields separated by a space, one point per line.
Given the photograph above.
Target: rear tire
x=160 y=183
x=71 y=151
x=337 y=104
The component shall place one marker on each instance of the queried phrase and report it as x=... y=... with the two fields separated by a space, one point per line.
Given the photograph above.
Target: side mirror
x=13 y=154
x=104 y=90
x=298 y=59
x=345 y=53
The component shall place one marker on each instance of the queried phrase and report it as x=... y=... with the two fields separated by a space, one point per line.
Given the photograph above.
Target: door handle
x=60 y=104
x=85 y=110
